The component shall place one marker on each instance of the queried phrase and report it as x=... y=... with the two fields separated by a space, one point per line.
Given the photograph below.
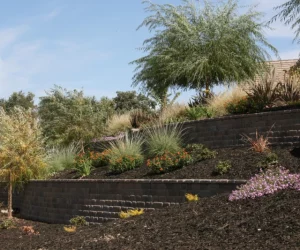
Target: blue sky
x=86 y=44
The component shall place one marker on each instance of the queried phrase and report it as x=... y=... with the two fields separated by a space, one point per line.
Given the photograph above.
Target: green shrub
x=62 y=158
x=169 y=161
x=7 y=224
x=244 y=106
x=99 y=159
x=78 y=221
x=270 y=159
x=138 y=118
x=199 y=152
x=223 y=167
x=126 y=153
x=83 y=165
x=198 y=112
x=164 y=138
x=125 y=163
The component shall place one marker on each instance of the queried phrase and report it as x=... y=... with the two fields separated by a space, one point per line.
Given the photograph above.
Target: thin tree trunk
x=10 y=197
x=207 y=89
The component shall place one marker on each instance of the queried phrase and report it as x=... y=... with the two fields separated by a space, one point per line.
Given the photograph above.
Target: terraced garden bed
x=245 y=163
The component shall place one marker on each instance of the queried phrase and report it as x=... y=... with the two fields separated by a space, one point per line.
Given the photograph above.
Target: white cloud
x=51 y=15
x=9 y=35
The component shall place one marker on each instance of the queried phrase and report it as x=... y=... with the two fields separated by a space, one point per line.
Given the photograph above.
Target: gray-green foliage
x=223 y=167
x=289 y=14
x=70 y=116
x=164 y=138
x=199 y=152
x=199 y=112
x=78 y=221
x=130 y=100
x=20 y=99
x=196 y=46
x=127 y=146
x=61 y=158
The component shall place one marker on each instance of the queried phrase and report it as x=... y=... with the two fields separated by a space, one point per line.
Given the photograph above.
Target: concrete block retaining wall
x=56 y=201
x=226 y=131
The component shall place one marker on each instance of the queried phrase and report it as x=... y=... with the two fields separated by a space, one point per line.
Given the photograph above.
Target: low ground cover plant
x=78 y=221
x=223 y=167
x=199 y=152
x=268 y=182
x=271 y=159
x=169 y=161
x=7 y=224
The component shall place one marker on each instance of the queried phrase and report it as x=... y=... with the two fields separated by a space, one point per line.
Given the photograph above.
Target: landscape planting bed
x=270 y=222
x=244 y=166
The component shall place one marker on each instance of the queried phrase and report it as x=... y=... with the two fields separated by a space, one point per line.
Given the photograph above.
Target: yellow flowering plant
x=130 y=213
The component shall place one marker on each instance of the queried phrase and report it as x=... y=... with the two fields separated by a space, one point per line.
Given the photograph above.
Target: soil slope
x=271 y=222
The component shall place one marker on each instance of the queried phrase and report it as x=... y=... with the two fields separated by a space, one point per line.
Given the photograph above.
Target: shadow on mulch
x=271 y=222
x=244 y=165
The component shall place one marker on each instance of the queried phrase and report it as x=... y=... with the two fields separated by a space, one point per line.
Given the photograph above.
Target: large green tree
x=20 y=99
x=195 y=46
x=70 y=116
x=290 y=14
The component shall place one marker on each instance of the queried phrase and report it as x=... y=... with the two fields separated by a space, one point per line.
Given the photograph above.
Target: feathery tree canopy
x=22 y=153
x=18 y=99
x=70 y=116
x=196 y=46
x=290 y=14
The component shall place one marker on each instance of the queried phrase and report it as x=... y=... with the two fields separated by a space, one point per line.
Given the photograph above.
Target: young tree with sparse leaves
x=22 y=151
x=197 y=46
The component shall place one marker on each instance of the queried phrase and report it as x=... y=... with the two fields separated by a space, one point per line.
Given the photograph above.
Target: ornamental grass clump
x=126 y=154
x=169 y=161
x=61 y=158
x=265 y=183
x=164 y=138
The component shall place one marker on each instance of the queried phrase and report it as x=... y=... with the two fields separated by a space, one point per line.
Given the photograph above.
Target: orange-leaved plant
x=260 y=143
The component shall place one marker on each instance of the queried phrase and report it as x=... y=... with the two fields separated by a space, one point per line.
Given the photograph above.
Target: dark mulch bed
x=244 y=165
x=271 y=222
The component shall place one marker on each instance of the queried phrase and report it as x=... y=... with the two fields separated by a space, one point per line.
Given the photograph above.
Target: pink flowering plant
x=268 y=182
